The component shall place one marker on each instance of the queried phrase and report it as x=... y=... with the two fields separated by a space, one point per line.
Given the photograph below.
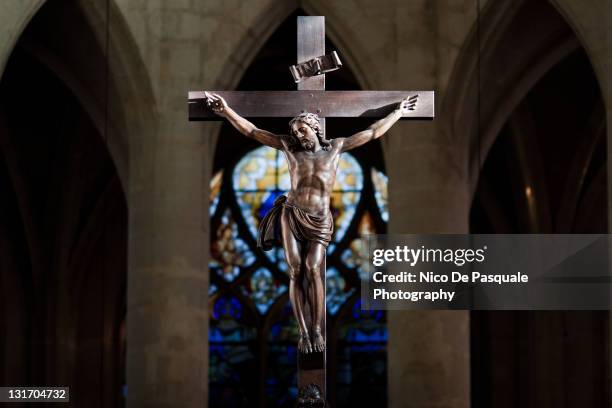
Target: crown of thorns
x=311 y=119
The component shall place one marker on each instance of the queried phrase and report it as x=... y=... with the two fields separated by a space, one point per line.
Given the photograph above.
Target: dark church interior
x=64 y=228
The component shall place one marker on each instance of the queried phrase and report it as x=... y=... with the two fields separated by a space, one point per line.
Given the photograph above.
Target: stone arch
x=505 y=79
x=132 y=107
x=255 y=35
x=246 y=48
x=352 y=53
x=133 y=104
x=258 y=33
x=13 y=23
x=129 y=85
x=587 y=22
x=262 y=27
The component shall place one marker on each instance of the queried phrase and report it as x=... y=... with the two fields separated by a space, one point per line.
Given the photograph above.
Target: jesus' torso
x=312 y=177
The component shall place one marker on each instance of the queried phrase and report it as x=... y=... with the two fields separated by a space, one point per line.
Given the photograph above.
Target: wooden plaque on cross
x=312 y=97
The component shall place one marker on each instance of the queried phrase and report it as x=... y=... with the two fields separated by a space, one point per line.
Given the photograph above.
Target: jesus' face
x=304 y=134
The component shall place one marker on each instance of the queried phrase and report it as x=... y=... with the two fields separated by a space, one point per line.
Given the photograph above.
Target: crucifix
x=301 y=221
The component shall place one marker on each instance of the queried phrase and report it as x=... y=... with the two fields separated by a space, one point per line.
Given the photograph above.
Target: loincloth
x=305 y=226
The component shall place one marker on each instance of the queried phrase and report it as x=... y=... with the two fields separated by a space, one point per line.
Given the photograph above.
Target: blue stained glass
x=281 y=262
x=259 y=178
x=230 y=366
x=337 y=290
x=263 y=289
x=212 y=289
x=232 y=354
x=226 y=324
x=249 y=204
x=263 y=169
x=285 y=328
x=213 y=205
x=343 y=206
x=218 y=335
x=283 y=181
x=226 y=306
x=215 y=192
x=363 y=364
x=361 y=359
x=268 y=203
x=229 y=273
x=367 y=327
x=229 y=251
x=381 y=181
x=356 y=255
x=281 y=379
x=346 y=193
x=366 y=335
x=349 y=175
x=359 y=313
x=277 y=256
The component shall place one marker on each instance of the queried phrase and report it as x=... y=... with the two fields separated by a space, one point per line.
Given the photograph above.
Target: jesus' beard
x=307 y=144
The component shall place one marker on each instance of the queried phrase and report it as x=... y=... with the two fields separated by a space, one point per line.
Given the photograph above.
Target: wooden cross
x=312 y=97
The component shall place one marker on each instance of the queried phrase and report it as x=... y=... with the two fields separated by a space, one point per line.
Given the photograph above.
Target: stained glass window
x=381 y=181
x=231 y=351
x=253 y=331
x=229 y=252
x=263 y=289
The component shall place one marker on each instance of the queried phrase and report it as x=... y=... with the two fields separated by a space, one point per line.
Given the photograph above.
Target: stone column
x=167 y=320
x=169 y=167
x=428 y=351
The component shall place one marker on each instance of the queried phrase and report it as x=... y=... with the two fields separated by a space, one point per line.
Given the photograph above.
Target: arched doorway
x=63 y=225
x=542 y=162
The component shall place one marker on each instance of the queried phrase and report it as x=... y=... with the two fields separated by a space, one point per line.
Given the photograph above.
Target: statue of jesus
x=301 y=221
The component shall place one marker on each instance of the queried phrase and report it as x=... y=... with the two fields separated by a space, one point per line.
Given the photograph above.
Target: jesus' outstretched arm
x=218 y=105
x=376 y=130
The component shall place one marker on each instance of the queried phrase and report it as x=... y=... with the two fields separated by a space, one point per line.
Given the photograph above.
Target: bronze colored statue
x=304 y=215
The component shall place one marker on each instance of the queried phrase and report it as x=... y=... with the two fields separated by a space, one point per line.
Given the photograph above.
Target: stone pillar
x=167 y=320
x=428 y=351
x=169 y=171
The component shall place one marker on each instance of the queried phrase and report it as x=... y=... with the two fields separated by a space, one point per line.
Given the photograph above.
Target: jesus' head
x=304 y=128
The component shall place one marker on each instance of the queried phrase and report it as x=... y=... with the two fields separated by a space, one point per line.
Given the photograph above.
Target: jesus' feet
x=304 y=345
x=318 y=342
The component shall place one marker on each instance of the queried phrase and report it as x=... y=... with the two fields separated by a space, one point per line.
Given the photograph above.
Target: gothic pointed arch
x=132 y=104
x=511 y=48
x=66 y=217
x=13 y=23
x=538 y=167
x=258 y=32
x=252 y=329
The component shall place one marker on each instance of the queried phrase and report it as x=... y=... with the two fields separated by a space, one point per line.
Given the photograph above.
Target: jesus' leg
x=296 y=294
x=314 y=263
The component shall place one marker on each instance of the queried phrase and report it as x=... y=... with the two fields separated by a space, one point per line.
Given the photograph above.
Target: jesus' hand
x=408 y=104
x=216 y=103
